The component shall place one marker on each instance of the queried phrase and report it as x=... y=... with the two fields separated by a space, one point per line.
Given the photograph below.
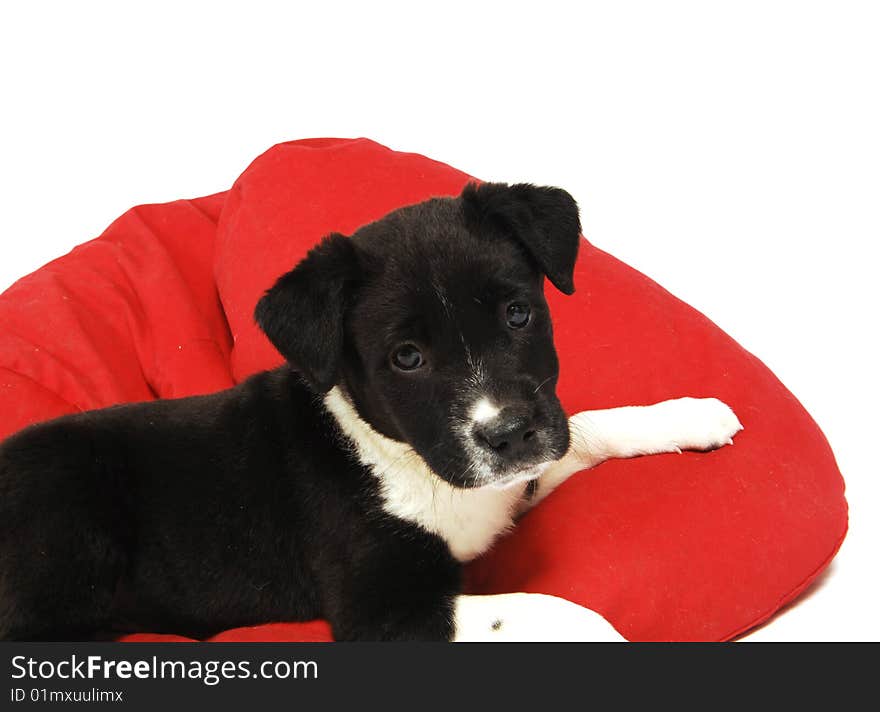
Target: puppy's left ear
x=303 y=313
x=544 y=220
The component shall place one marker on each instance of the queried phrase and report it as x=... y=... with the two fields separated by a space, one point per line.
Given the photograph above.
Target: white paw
x=697 y=424
x=528 y=617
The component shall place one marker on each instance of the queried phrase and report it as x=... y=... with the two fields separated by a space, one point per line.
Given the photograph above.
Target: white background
x=727 y=149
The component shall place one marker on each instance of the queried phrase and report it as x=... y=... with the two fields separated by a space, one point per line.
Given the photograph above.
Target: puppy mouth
x=493 y=470
x=517 y=477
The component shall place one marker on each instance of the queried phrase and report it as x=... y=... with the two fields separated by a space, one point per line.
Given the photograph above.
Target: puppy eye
x=518 y=315
x=407 y=358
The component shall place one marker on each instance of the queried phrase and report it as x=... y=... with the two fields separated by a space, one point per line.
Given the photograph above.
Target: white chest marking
x=468 y=520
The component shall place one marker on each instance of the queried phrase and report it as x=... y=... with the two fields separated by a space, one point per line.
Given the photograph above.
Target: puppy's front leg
x=669 y=426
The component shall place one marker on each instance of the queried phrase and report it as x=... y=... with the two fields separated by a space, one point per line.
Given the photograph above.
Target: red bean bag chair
x=698 y=546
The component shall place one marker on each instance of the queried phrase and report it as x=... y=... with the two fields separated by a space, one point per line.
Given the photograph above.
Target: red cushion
x=683 y=547
x=129 y=316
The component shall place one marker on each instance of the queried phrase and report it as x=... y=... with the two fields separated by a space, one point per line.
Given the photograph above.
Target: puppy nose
x=508 y=433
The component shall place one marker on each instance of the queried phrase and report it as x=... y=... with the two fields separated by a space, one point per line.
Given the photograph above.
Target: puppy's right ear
x=303 y=313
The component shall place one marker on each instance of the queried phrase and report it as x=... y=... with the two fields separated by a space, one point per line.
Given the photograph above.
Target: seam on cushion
x=206 y=320
x=150 y=372
x=227 y=330
x=791 y=595
x=192 y=203
x=48 y=390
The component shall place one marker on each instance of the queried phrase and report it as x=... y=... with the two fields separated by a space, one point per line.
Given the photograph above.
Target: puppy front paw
x=699 y=424
x=528 y=617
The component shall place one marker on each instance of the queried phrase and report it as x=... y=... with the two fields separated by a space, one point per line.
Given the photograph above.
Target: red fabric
x=288 y=199
x=671 y=547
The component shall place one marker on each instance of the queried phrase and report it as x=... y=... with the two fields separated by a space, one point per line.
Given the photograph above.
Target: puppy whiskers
x=543 y=383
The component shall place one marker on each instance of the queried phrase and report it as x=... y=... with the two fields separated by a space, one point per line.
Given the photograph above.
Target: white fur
x=468 y=520
x=669 y=426
x=484 y=410
x=527 y=617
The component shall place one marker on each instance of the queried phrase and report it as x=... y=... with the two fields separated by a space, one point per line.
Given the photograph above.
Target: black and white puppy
x=416 y=419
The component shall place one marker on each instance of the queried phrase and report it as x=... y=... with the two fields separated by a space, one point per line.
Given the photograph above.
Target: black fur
x=248 y=506
x=318 y=288
x=545 y=220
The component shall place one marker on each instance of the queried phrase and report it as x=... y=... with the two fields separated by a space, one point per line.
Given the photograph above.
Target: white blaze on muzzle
x=484 y=410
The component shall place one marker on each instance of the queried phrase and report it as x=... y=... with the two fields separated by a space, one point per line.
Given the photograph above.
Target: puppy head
x=433 y=322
